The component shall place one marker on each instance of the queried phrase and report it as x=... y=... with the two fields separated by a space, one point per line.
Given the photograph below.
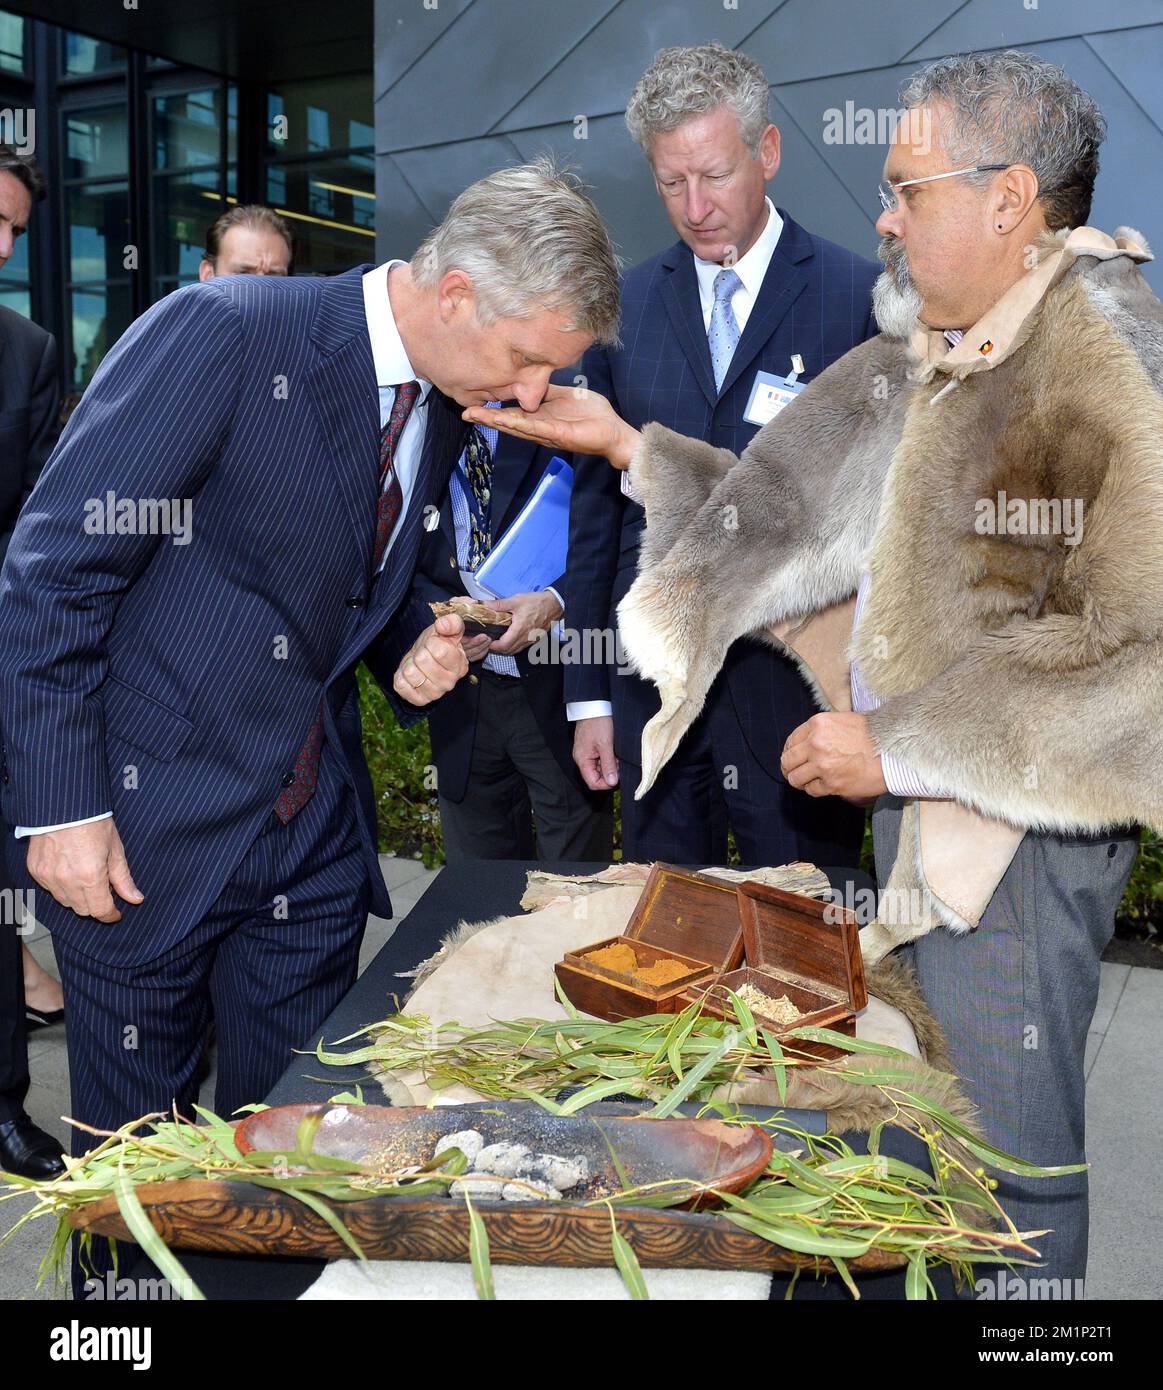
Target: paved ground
x=1124 y=1124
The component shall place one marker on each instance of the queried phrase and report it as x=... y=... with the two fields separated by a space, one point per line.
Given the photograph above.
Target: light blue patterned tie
x=723 y=334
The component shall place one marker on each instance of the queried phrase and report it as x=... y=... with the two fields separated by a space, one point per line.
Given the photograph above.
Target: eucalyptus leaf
x=478 y=1250
x=627 y=1262
x=158 y=1251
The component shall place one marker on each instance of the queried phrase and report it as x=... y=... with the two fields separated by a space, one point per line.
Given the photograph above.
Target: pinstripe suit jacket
x=174 y=683
x=816 y=301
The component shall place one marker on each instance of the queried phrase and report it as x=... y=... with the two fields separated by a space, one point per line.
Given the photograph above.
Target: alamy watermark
x=18 y=909
x=140 y=516
x=1006 y=1287
x=18 y=129
x=77 y=1342
x=1004 y=515
x=878 y=125
x=573 y=646
x=109 y=1288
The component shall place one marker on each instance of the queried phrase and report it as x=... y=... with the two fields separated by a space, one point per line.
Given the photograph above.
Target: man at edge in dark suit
x=30 y=403
x=743 y=299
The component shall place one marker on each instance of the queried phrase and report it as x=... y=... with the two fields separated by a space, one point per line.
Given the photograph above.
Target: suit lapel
x=785 y=281
x=680 y=297
x=343 y=383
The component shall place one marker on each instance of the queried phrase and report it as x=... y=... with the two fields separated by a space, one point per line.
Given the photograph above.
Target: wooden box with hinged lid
x=800 y=949
x=682 y=919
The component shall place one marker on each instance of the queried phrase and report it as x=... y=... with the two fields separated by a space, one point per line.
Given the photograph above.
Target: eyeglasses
x=887 y=191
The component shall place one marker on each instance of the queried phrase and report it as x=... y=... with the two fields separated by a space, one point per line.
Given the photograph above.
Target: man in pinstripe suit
x=229 y=524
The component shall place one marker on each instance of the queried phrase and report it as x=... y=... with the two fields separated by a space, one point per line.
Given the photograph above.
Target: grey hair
x=530 y=238
x=1013 y=108
x=686 y=82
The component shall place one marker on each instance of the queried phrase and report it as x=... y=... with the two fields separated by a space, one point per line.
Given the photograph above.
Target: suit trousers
x=269 y=961
x=13 y=1030
x=514 y=784
x=1016 y=998
x=715 y=779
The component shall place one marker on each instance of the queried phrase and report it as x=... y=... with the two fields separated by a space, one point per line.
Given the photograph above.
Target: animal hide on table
x=1020 y=674
x=503 y=969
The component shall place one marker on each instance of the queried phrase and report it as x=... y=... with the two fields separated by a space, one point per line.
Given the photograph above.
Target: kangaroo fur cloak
x=1020 y=669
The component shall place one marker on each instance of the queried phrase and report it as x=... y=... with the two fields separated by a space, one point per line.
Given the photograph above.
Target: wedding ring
x=417 y=684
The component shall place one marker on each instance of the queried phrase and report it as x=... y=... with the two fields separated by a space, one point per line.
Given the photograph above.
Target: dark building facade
x=143 y=151
x=361 y=119
x=466 y=86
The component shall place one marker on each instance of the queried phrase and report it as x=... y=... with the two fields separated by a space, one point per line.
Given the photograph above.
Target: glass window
x=99 y=314
x=16 y=297
x=184 y=206
x=11 y=42
x=16 y=267
x=187 y=128
x=96 y=142
x=331 y=205
x=98 y=230
x=14 y=280
x=82 y=55
x=330 y=114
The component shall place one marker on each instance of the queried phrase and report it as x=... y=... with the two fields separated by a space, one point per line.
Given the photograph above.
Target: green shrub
x=1140 y=913
x=408 y=811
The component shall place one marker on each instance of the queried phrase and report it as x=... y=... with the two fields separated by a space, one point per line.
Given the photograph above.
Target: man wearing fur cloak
x=981 y=487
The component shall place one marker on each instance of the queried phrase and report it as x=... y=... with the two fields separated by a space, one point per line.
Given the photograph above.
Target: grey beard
x=896 y=303
x=895 y=300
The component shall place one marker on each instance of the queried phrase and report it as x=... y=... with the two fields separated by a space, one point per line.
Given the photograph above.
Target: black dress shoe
x=41 y=1018
x=29 y=1151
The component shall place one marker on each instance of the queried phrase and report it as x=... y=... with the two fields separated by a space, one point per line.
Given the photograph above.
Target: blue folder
x=531 y=553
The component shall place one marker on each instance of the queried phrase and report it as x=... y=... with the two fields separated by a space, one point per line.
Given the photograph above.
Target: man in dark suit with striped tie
x=500 y=740
x=745 y=299
x=229 y=524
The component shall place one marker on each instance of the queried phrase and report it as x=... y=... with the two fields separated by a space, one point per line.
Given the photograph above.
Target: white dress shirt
x=751 y=269
x=392 y=369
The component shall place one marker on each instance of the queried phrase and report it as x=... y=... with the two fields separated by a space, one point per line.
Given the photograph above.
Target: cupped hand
x=570 y=418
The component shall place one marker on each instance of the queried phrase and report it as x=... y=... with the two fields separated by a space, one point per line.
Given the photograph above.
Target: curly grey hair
x=531 y=238
x=686 y=82
x=1013 y=108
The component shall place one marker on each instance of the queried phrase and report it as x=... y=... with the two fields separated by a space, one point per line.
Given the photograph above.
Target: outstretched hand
x=570 y=418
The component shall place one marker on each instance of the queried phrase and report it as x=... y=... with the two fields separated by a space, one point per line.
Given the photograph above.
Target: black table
x=474 y=891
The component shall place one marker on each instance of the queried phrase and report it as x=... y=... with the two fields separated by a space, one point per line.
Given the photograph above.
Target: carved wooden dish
x=242 y=1218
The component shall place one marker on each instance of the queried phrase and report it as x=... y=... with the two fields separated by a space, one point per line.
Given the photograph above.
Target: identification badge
x=769 y=395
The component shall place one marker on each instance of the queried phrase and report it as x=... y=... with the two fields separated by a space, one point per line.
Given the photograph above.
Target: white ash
x=542 y=1176
x=560 y=1173
x=530 y=1190
x=501 y=1159
x=469 y=1141
x=476 y=1187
